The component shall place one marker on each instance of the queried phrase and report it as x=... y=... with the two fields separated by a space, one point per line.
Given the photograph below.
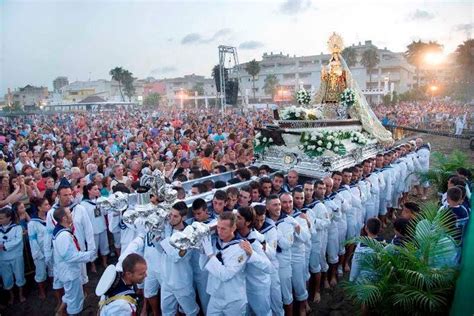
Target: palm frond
x=443 y=166
x=365 y=293
x=417 y=278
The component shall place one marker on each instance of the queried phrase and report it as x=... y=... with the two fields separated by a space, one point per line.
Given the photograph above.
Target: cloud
x=250 y=45
x=421 y=15
x=221 y=33
x=191 y=38
x=467 y=27
x=293 y=7
x=163 y=70
x=196 y=38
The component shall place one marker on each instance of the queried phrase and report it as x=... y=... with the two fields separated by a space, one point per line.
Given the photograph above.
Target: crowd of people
x=279 y=240
x=438 y=115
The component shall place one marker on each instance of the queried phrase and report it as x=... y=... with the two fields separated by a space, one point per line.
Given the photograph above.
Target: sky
x=84 y=39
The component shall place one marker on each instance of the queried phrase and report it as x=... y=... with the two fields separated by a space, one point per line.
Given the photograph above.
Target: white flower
x=297 y=114
x=257 y=142
x=264 y=139
x=336 y=149
x=270 y=140
x=320 y=142
x=313 y=137
x=329 y=145
x=306 y=143
x=337 y=142
x=320 y=149
x=258 y=135
x=306 y=137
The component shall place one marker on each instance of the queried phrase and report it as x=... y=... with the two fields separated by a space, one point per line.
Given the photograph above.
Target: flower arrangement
x=314 y=114
x=298 y=114
x=293 y=113
x=315 y=143
x=261 y=142
x=348 y=97
x=358 y=138
x=303 y=97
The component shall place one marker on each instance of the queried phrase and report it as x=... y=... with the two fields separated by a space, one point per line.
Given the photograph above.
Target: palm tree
x=417 y=278
x=370 y=60
x=127 y=81
x=442 y=167
x=416 y=53
x=270 y=86
x=117 y=75
x=253 y=68
x=465 y=60
x=350 y=56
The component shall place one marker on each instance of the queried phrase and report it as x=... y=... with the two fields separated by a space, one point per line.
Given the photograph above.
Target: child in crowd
x=461 y=214
x=21 y=214
x=11 y=253
x=37 y=236
x=372 y=229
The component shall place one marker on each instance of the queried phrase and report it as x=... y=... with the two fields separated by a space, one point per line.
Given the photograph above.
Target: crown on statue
x=335 y=43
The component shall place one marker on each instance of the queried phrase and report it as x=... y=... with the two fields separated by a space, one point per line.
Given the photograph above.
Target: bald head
x=419 y=142
x=328 y=182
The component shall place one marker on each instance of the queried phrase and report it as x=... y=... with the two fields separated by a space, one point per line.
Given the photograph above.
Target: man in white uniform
x=122 y=299
x=68 y=261
x=99 y=226
x=225 y=262
x=177 y=273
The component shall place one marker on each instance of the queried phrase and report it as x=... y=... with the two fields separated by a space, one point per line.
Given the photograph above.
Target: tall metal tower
x=224 y=52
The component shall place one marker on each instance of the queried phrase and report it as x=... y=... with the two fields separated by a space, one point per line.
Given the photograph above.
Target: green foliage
x=153 y=99
x=391 y=99
x=253 y=68
x=370 y=60
x=117 y=75
x=271 y=84
x=415 y=94
x=417 y=278
x=416 y=52
x=350 y=56
x=465 y=59
x=443 y=166
x=125 y=79
x=128 y=84
x=198 y=87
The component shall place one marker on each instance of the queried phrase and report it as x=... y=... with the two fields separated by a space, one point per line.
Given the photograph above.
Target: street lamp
x=434 y=58
x=433 y=89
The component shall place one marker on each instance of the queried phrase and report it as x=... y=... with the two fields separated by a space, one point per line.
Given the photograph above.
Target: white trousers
x=102 y=243
x=73 y=296
x=200 y=283
x=218 y=307
x=298 y=280
x=342 y=232
x=151 y=284
x=40 y=270
x=186 y=298
x=332 y=248
x=276 y=301
x=259 y=301
x=14 y=267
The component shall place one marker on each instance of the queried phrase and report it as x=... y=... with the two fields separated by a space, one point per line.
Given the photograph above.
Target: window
x=305 y=75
